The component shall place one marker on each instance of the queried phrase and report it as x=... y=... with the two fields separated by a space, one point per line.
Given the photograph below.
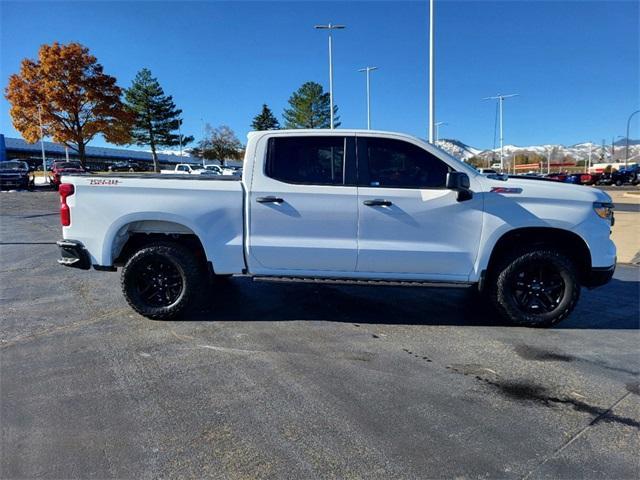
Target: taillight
x=65 y=190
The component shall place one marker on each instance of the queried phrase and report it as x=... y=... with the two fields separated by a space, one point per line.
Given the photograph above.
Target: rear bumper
x=73 y=254
x=599 y=276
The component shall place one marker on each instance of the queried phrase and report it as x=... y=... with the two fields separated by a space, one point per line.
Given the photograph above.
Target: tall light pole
x=180 y=136
x=367 y=70
x=438 y=125
x=432 y=100
x=330 y=27
x=626 y=153
x=44 y=159
x=500 y=99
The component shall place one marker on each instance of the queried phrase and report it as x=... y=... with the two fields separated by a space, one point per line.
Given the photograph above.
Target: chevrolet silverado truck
x=343 y=206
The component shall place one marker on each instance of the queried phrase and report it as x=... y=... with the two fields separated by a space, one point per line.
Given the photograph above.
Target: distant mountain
x=458 y=149
x=579 y=151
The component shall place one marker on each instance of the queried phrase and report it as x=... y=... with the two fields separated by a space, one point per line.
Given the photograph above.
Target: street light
x=438 y=125
x=500 y=99
x=367 y=70
x=44 y=158
x=330 y=27
x=626 y=153
x=432 y=104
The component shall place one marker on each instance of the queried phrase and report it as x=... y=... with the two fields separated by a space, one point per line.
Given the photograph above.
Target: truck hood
x=545 y=190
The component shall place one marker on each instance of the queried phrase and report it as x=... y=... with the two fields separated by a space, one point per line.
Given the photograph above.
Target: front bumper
x=73 y=254
x=15 y=182
x=599 y=276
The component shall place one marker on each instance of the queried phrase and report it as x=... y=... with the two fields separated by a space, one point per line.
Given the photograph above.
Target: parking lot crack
x=575 y=437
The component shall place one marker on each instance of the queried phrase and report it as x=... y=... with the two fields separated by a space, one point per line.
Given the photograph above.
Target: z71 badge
x=104 y=181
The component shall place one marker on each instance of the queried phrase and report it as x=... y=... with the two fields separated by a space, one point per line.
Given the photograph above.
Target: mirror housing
x=459 y=181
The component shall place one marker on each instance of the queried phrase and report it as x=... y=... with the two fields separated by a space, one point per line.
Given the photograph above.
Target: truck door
x=409 y=223
x=303 y=206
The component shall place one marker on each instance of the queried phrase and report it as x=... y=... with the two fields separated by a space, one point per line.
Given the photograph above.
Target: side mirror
x=459 y=181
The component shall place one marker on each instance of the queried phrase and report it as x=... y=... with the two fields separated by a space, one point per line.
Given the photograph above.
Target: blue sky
x=574 y=63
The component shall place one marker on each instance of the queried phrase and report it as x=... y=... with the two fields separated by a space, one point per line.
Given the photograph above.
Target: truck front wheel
x=160 y=280
x=538 y=288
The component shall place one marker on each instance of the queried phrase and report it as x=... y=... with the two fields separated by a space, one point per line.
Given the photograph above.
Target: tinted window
x=394 y=163
x=308 y=160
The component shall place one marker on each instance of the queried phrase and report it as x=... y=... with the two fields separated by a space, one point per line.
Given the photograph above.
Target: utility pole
x=368 y=70
x=589 y=168
x=330 y=28
x=626 y=153
x=500 y=99
x=432 y=100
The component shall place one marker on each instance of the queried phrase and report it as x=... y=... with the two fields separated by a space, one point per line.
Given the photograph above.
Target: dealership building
x=97 y=157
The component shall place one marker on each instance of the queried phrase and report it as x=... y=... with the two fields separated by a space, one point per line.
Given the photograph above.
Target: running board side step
x=356 y=281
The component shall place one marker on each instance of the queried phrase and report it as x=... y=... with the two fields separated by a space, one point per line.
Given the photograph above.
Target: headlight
x=604 y=210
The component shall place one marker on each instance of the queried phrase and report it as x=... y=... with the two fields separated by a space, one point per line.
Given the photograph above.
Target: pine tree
x=156 y=116
x=310 y=108
x=265 y=120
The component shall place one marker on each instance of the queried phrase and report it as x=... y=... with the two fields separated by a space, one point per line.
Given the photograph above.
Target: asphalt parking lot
x=303 y=381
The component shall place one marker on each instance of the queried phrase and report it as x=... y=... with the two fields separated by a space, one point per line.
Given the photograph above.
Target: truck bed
x=107 y=209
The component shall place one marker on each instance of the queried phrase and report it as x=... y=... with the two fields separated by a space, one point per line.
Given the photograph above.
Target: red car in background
x=61 y=168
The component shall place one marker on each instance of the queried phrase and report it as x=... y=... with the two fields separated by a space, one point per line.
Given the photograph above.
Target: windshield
x=14 y=165
x=67 y=165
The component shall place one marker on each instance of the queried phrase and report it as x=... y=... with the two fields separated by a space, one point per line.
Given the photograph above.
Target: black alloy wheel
x=159 y=282
x=537 y=289
x=162 y=279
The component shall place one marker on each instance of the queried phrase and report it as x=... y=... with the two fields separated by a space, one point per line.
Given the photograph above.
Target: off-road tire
x=189 y=271
x=503 y=296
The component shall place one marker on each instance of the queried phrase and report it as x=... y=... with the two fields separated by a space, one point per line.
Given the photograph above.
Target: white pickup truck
x=343 y=205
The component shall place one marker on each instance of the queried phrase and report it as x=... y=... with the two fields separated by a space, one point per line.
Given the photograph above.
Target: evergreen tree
x=156 y=116
x=310 y=108
x=265 y=120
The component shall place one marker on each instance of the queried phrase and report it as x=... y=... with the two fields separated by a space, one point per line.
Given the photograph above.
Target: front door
x=410 y=225
x=303 y=213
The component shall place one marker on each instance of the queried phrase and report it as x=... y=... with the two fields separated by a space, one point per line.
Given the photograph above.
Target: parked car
x=188 y=169
x=621 y=177
x=64 y=168
x=48 y=165
x=582 y=178
x=488 y=171
x=558 y=177
x=405 y=211
x=215 y=169
x=15 y=174
x=125 y=167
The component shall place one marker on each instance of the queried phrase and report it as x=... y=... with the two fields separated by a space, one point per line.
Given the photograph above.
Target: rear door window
x=307 y=160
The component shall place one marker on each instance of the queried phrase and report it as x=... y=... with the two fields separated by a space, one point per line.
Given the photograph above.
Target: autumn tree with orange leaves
x=76 y=99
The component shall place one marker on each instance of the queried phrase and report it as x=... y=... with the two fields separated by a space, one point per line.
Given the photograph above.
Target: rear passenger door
x=303 y=206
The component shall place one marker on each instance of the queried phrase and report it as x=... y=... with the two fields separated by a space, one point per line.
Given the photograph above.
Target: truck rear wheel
x=160 y=280
x=538 y=288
